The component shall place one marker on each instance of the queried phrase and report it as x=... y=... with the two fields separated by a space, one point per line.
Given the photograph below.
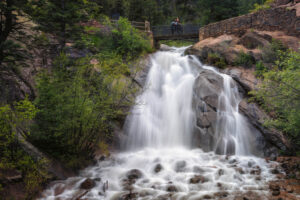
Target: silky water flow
x=158 y=161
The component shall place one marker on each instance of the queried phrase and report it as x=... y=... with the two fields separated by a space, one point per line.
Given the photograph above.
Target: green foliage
x=164 y=11
x=280 y=93
x=260 y=69
x=244 y=59
x=77 y=104
x=270 y=53
x=119 y=37
x=216 y=60
x=266 y=5
x=12 y=157
x=128 y=41
x=177 y=43
x=62 y=18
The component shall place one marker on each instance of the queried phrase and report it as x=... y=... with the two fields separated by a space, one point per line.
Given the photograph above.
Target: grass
x=177 y=43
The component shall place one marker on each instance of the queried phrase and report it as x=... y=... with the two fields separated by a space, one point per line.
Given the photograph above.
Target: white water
x=159 y=133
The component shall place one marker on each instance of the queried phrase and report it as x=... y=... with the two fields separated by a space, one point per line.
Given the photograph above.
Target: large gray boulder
x=207 y=88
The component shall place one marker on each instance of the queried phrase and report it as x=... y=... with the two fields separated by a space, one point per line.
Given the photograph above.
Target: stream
x=158 y=160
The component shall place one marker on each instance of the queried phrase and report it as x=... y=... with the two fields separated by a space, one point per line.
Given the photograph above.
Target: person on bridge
x=173 y=26
x=178 y=27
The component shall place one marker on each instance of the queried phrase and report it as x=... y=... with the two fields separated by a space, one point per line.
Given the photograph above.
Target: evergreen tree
x=62 y=17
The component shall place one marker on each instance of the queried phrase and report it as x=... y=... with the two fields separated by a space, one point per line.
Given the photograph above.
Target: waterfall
x=163 y=115
x=159 y=161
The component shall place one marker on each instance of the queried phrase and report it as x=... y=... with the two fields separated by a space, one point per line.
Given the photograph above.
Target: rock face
x=87 y=184
x=207 y=88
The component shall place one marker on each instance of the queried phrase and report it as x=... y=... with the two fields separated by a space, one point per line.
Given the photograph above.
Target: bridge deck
x=187 y=31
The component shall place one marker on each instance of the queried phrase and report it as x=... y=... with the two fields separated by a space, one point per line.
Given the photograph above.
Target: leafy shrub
x=128 y=41
x=77 y=104
x=260 y=69
x=266 y=5
x=270 y=53
x=12 y=157
x=280 y=93
x=216 y=60
x=245 y=59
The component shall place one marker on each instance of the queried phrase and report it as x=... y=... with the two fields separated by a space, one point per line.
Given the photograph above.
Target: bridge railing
x=183 y=29
x=142 y=26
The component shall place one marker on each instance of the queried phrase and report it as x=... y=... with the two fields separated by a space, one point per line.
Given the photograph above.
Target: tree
x=62 y=17
x=13 y=53
x=77 y=105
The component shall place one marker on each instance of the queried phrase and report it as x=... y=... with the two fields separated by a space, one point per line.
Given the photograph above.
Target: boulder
x=180 y=165
x=245 y=77
x=158 y=168
x=134 y=174
x=87 y=184
x=164 y=47
x=253 y=40
x=223 y=46
x=171 y=188
x=257 y=117
x=198 y=179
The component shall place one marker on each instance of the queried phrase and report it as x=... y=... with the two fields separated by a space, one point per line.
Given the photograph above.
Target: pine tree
x=62 y=17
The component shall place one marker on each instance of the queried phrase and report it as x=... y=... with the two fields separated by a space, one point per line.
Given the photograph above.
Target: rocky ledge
x=226 y=49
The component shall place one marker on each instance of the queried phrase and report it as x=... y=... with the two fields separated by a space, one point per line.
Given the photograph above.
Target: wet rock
x=164 y=47
x=198 y=179
x=59 y=190
x=87 y=184
x=232 y=161
x=276 y=193
x=221 y=172
x=164 y=197
x=220 y=194
x=130 y=196
x=198 y=169
x=97 y=179
x=158 y=168
x=134 y=174
x=240 y=170
x=207 y=196
x=274 y=187
x=172 y=188
x=251 y=163
x=180 y=165
x=275 y=171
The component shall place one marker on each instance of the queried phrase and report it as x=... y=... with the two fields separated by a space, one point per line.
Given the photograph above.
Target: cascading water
x=159 y=162
x=163 y=116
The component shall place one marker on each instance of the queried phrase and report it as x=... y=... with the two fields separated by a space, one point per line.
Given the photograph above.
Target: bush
x=127 y=41
x=266 y=5
x=260 y=69
x=216 y=60
x=245 y=60
x=12 y=157
x=280 y=93
x=77 y=104
x=270 y=53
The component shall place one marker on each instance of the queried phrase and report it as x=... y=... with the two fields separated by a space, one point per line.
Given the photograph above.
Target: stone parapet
x=276 y=19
